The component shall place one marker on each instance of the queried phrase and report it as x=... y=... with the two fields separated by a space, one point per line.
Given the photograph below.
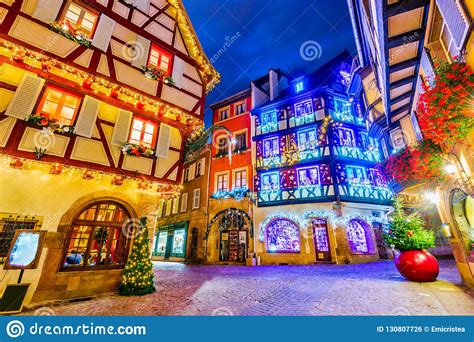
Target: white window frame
x=226 y=180
x=196 y=198
x=175 y=204
x=272 y=147
x=199 y=167
x=220 y=111
x=303 y=104
x=269 y=174
x=392 y=134
x=353 y=135
x=241 y=103
x=184 y=203
x=234 y=178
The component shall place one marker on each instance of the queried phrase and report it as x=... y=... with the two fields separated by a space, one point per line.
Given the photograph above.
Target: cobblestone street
x=364 y=289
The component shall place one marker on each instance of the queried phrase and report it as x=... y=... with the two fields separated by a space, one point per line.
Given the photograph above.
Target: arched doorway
x=233 y=230
x=98 y=238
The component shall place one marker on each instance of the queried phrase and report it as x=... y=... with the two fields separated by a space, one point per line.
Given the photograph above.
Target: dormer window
x=81 y=19
x=160 y=59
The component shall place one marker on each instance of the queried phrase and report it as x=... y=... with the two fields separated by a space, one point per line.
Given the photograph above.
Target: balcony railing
x=319 y=192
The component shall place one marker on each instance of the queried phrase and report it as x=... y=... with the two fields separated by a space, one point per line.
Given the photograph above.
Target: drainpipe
x=355 y=28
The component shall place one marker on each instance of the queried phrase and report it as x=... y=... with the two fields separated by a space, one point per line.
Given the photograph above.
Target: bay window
x=143 y=132
x=59 y=105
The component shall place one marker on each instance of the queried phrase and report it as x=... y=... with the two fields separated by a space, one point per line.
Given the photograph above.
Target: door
x=224 y=250
x=169 y=244
x=321 y=240
x=381 y=245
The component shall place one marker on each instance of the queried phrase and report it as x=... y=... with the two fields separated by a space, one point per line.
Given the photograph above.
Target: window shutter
x=192 y=172
x=22 y=104
x=122 y=127
x=143 y=5
x=178 y=70
x=168 y=207
x=47 y=10
x=196 y=198
x=456 y=20
x=163 y=144
x=103 y=33
x=184 y=202
x=87 y=117
x=175 y=205
x=142 y=50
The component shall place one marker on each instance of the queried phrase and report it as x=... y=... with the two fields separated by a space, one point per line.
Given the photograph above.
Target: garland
x=442 y=108
x=137 y=150
x=156 y=74
x=238 y=193
x=49 y=125
x=65 y=29
x=198 y=140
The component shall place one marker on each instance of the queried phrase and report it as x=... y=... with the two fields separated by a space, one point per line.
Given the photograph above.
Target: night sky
x=264 y=34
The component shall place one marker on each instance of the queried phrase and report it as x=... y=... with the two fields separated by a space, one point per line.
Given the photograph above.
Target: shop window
x=240 y=108
x=179 y=241
x=283 y=236
x=160 y=59
x=271 y=148
x=59 y=105
x=96 y=239
x=160 y=247
x=240 y=179
x=223 y=114
x=241 y=141
x=82 y=19
x=308 y=177
x=270 y=181
x=358 y=234
x=222 y=181
x=143 y=132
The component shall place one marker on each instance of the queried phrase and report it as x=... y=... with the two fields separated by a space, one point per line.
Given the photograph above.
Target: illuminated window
x=271 y=148
x=241 y=141
x=240 y=179
x=303 y=108
x=299 y=87
x=143 y=133
x=308 y=177
x=347 y=137
x=307 y=139
x=81 y=19
x=269 y=122
x=356 y=174
x=59 y=105
x=222 y=182
x=358 y=234
x=270 y=181
x=160 y=59
x=283 y=236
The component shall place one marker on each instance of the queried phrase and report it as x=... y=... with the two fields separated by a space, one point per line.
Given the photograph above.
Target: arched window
x=96 y=239
x=283 y=236
x=358 y=234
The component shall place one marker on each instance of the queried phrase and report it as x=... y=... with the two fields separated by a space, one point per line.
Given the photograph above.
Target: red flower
x=44 y=122
x=410 y=233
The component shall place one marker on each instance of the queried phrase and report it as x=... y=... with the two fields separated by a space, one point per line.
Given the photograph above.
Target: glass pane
x=149 y=128
x=72 y=17
x=98 y=251
x=76 y=251
x=147 y=139
x=137 y=124
x=136 y=135
x=67 y=113
x=50 y=108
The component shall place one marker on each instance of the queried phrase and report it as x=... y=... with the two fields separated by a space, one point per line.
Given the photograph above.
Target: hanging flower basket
x=137 y=150
x=443 y=108
x=419 y=163
x=156 y=74
x=65 y=29
x=50 y=125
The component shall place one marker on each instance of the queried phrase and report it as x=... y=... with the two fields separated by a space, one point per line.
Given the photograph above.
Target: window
x=81 y=19
x=9 y=226
x=240 y=179
x=342 y=111
x=358 y=232
x=283 y=236
x=307 y=139
x=346 y=137
x=186 y=174
x=96 y=239
x=223 y=114
x=196 y=198
x=303 y=108
x=271 y=148
x=160 y=59
x=200 y=167
x=175 y=205
x=184 y=203
x=222 y=181
x=398 y=140
x=308 y=176
x=240 y=108
x=164 y=208
x=270 y=181
x=356 y=174
x=269 y=122
x=59 y=105
x=169 y=205
x=143 y=132
x=299 y=87
x=241 y=141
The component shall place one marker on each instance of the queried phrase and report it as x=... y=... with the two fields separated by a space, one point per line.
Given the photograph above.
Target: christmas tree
x=407 y=232
x=137 y=278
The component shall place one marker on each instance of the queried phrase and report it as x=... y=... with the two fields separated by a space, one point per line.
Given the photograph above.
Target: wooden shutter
x=163 y=144
x=184 y=202
x=87 y=117
x=178 y=70
x=142 y=51
x=196 y=198
x=175 y=205
x=103 y=33
x=47 y=10
x=122 y=128
x=168 y=207
x=456 y=20
x=143 y=5
x=22 y=104
x=192 y=172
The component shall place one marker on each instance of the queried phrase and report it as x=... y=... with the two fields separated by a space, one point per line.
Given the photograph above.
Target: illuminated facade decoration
x=313 y=152
x=95 y=109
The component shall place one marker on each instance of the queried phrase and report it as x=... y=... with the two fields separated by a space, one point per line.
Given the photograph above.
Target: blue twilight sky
x=264 y=34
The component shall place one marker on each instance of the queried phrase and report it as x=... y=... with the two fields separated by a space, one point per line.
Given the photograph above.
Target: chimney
x=273 y=82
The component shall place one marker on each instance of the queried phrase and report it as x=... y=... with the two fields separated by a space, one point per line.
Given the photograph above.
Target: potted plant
x=408 y=235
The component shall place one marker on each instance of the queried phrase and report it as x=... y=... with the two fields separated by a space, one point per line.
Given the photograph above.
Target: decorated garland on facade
x=137 y=150
x=49 y=125
x=237 y=193
x=228 y=211
x=65 y=29
x=157 y=75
